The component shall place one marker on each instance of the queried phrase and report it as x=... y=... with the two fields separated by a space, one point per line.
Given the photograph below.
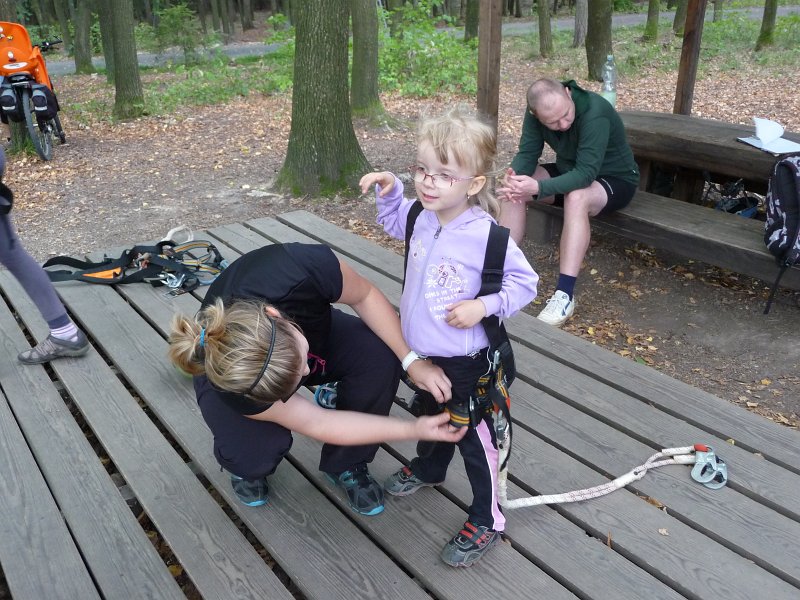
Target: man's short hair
x=542 y=92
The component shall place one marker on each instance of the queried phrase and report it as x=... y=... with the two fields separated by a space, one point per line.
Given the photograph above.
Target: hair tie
x=202 y=337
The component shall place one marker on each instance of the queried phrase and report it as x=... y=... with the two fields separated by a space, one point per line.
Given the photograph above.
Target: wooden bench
x=582 y=415
x=690 y=146
x=689 y=230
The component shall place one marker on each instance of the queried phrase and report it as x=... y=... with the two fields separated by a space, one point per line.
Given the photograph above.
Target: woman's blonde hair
x=472 y=142
x=231 y=344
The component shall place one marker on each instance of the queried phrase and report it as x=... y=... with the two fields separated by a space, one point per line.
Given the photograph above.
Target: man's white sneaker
x=559 y=308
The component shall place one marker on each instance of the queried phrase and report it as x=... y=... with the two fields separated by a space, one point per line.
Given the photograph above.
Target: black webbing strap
x=411 y=219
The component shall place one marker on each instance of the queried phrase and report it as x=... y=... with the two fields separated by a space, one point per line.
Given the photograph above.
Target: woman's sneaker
x=325 y=394
x=364 y=494
x=250 y=493
x=404 y=483
x=469 y=545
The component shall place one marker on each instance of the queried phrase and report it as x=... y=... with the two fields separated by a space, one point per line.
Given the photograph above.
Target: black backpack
x=782 y=227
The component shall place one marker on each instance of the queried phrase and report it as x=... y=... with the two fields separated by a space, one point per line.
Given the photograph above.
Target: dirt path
x=117 y=184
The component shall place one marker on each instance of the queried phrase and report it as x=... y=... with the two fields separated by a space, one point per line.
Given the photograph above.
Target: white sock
x=67 y=332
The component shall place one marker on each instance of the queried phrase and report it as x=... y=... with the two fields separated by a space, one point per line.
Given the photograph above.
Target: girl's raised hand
x=383 y=179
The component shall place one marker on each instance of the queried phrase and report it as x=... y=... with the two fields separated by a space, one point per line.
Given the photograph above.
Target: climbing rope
x=709 y=470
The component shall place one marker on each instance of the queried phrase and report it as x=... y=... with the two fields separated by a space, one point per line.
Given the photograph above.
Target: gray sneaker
x=404 y=483
x=469 y=545
x=51 y=348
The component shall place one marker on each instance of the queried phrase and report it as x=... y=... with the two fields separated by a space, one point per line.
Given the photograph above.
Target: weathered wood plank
x=116 y=550
x=630 y=523
x=38 y=556
x=702 y=144
x=699 y=408
x=433 y=520
x=723 y=514
x=298 y=528
x=711 y=236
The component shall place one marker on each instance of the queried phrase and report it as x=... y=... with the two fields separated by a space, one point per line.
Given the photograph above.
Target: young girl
x=439 y=312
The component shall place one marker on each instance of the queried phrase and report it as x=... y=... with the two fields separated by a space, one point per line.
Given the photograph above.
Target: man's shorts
x=619 y=192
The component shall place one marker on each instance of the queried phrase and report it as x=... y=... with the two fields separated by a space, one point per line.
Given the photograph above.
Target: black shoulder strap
x=492 y=280
x=411 y=220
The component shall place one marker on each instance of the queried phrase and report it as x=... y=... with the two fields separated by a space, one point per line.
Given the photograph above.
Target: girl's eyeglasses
x=438 y=180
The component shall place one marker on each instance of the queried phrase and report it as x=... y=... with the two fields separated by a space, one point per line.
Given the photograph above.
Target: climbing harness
x=709 y=470
x=180 y=267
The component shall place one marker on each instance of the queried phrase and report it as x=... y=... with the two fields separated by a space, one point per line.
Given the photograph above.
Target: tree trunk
x=129 y=97
x=581 y=17
x=651 y=27
x=246 y=15
x=63 y=23
x=545 y=33
x=719 y=11
x=202 y=15
x=364 y=98
x=216 y=20
x=471 y=19
x=83 y=45
x=225 y=17
x=679 y=22
x=107 y=37
x=766 y=36
x=323 y=155
x=598 y=37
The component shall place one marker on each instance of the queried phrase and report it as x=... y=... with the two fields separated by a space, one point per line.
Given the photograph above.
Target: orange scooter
x=26 y=92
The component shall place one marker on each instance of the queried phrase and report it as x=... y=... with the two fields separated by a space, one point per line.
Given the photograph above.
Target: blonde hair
x=472 y=142
x=230 y=344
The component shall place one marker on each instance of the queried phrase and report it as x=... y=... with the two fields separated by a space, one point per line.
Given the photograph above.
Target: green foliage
x=418 y=59
x=145 y=37
x=218 y=81
x=626 y=6
x=39 y=33
x=178 y=26
x=280 y=30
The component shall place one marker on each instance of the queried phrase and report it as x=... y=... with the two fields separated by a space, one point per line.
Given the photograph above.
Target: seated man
x=594 y=174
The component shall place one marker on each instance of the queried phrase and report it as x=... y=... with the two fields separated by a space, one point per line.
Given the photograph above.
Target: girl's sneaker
x=469 y=545
x=404 y=483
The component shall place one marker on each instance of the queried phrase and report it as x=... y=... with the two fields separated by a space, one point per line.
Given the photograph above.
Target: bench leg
x=542 y=227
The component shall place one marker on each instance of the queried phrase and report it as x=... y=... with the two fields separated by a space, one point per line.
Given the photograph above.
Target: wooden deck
x=83 y=441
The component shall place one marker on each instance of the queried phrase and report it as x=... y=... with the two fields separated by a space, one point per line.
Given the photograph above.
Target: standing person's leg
x=368 y=373
x=248 y=449
x=65 y=338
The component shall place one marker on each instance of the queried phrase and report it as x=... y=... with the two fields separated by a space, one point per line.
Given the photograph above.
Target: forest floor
x=122 y=183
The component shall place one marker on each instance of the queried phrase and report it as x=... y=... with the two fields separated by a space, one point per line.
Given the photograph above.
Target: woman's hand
x=437 y=428
x=517 y=188
x=427 y=376
x=465 y=313
x=383 y=179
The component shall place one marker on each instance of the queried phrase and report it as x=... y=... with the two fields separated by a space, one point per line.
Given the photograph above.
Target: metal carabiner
x=720 y=477
x=705 y=465
x=174 y=281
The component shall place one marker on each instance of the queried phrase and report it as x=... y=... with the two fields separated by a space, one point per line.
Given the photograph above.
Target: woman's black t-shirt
x=300 y=280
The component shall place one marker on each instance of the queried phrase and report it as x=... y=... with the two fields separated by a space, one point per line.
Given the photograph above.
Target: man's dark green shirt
x=592 y=147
